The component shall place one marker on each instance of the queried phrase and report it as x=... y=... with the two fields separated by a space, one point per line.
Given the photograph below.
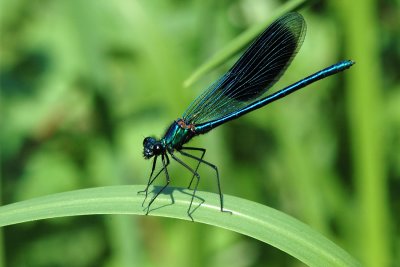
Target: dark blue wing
x=261 y=65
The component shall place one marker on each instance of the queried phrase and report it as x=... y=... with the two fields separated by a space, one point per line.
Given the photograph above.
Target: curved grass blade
x=248 y=218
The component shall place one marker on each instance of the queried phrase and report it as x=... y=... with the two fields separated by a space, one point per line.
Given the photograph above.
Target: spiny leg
x=203 y=152
x=152 y=179
x=197 y=183
x=165 y=164
x=216 y=171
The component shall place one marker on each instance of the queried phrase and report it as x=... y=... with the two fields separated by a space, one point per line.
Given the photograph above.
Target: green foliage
x=83 y=82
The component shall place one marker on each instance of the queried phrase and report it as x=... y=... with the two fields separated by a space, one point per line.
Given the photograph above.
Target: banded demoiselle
x=236 y=93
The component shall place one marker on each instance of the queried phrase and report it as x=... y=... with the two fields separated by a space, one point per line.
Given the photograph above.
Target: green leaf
x=239 y=43
x=248 y=218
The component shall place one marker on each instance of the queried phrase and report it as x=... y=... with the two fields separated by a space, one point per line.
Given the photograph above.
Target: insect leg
x=165 y=162
x=216 y=171
x=203 y=152
x=197 y=183
x=152 y=179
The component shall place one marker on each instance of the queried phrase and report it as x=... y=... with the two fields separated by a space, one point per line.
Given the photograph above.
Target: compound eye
x=148 y=140
x=145 y=140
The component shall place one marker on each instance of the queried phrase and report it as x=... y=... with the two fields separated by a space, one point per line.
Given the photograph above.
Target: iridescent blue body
x=338 y=67
x=236 y=93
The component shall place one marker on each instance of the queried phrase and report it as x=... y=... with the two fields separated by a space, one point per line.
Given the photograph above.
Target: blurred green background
x=83 y=82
